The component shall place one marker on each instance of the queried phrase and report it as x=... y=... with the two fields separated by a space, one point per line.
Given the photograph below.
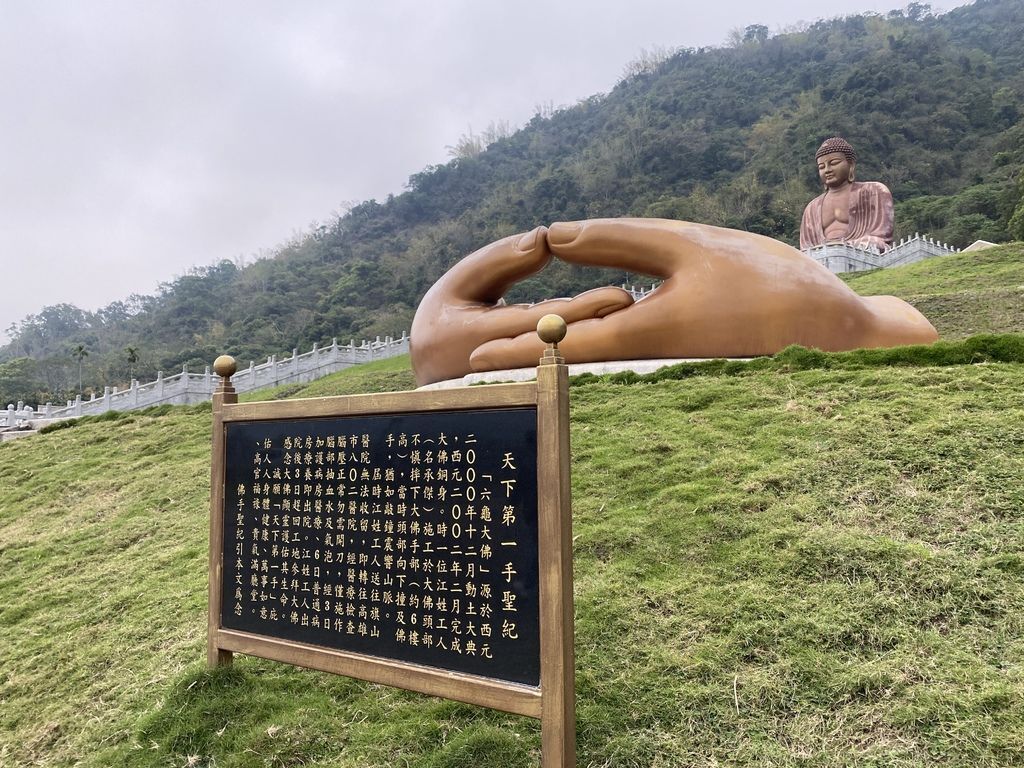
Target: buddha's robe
x=871 y=218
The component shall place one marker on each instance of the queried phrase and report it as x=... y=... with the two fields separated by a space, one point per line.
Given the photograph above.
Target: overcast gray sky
x=138 y=139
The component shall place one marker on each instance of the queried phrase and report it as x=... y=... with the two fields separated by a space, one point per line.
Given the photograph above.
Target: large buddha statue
x=855 y=212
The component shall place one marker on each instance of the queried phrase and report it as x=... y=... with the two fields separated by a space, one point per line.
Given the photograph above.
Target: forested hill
x=933 y=104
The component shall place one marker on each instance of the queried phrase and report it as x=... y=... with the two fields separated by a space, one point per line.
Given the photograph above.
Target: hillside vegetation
x=812 y=560
x=726 y=136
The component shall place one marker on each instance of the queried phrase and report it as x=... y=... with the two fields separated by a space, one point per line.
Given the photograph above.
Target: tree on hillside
x=472 y=144
x=80 y=353
x=18 y=379
x=133 y=357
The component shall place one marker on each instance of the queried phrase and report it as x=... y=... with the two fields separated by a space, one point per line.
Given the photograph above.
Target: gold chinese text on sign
x=415 y=539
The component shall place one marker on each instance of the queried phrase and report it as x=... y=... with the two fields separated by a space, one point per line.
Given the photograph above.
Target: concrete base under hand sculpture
x=725 y=294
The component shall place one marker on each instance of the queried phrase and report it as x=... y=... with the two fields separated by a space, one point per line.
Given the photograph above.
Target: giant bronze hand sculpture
x=463 y=310
x=725 y=294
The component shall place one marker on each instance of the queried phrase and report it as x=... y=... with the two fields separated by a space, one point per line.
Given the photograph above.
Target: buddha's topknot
x=836 y=144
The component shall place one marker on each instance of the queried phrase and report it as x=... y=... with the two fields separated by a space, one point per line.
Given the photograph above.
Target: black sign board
x=408 y=536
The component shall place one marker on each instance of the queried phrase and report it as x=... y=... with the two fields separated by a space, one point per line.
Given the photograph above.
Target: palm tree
x=80 y=353
x=132 y=353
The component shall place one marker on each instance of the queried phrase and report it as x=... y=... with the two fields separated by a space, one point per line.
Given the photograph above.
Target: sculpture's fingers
x=611 y=337
x=598 y=302
x=505 y=322
x=522 y=351
x=486 y=274
x=648 y=246
x=658 y=247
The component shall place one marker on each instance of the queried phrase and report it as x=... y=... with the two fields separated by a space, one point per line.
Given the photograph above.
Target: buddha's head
x=836 y=162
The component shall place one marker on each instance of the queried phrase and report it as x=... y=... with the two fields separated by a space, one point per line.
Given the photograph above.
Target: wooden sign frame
x=553 y=701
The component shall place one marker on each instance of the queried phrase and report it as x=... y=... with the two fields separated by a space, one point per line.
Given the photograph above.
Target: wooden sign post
x=416 y=539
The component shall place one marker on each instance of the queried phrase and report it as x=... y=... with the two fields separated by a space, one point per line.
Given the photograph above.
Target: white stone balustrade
x=188 y=388
x=842 y=257
x=639 y=292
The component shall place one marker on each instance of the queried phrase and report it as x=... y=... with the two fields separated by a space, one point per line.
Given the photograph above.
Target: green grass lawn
x=810 y=560
x=808 y=567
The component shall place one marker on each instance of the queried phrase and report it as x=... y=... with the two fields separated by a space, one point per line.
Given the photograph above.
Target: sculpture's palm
x=725 y=294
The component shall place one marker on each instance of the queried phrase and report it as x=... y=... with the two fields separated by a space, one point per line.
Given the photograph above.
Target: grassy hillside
x=815 y=567
x=389 y=375
x=962 y=294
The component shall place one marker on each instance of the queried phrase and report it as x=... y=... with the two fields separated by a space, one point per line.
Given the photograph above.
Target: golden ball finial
x=551 y=329
x=225 y=366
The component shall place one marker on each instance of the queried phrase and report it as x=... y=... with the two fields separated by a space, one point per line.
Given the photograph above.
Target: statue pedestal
x=598 y=369
x=843 y=257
